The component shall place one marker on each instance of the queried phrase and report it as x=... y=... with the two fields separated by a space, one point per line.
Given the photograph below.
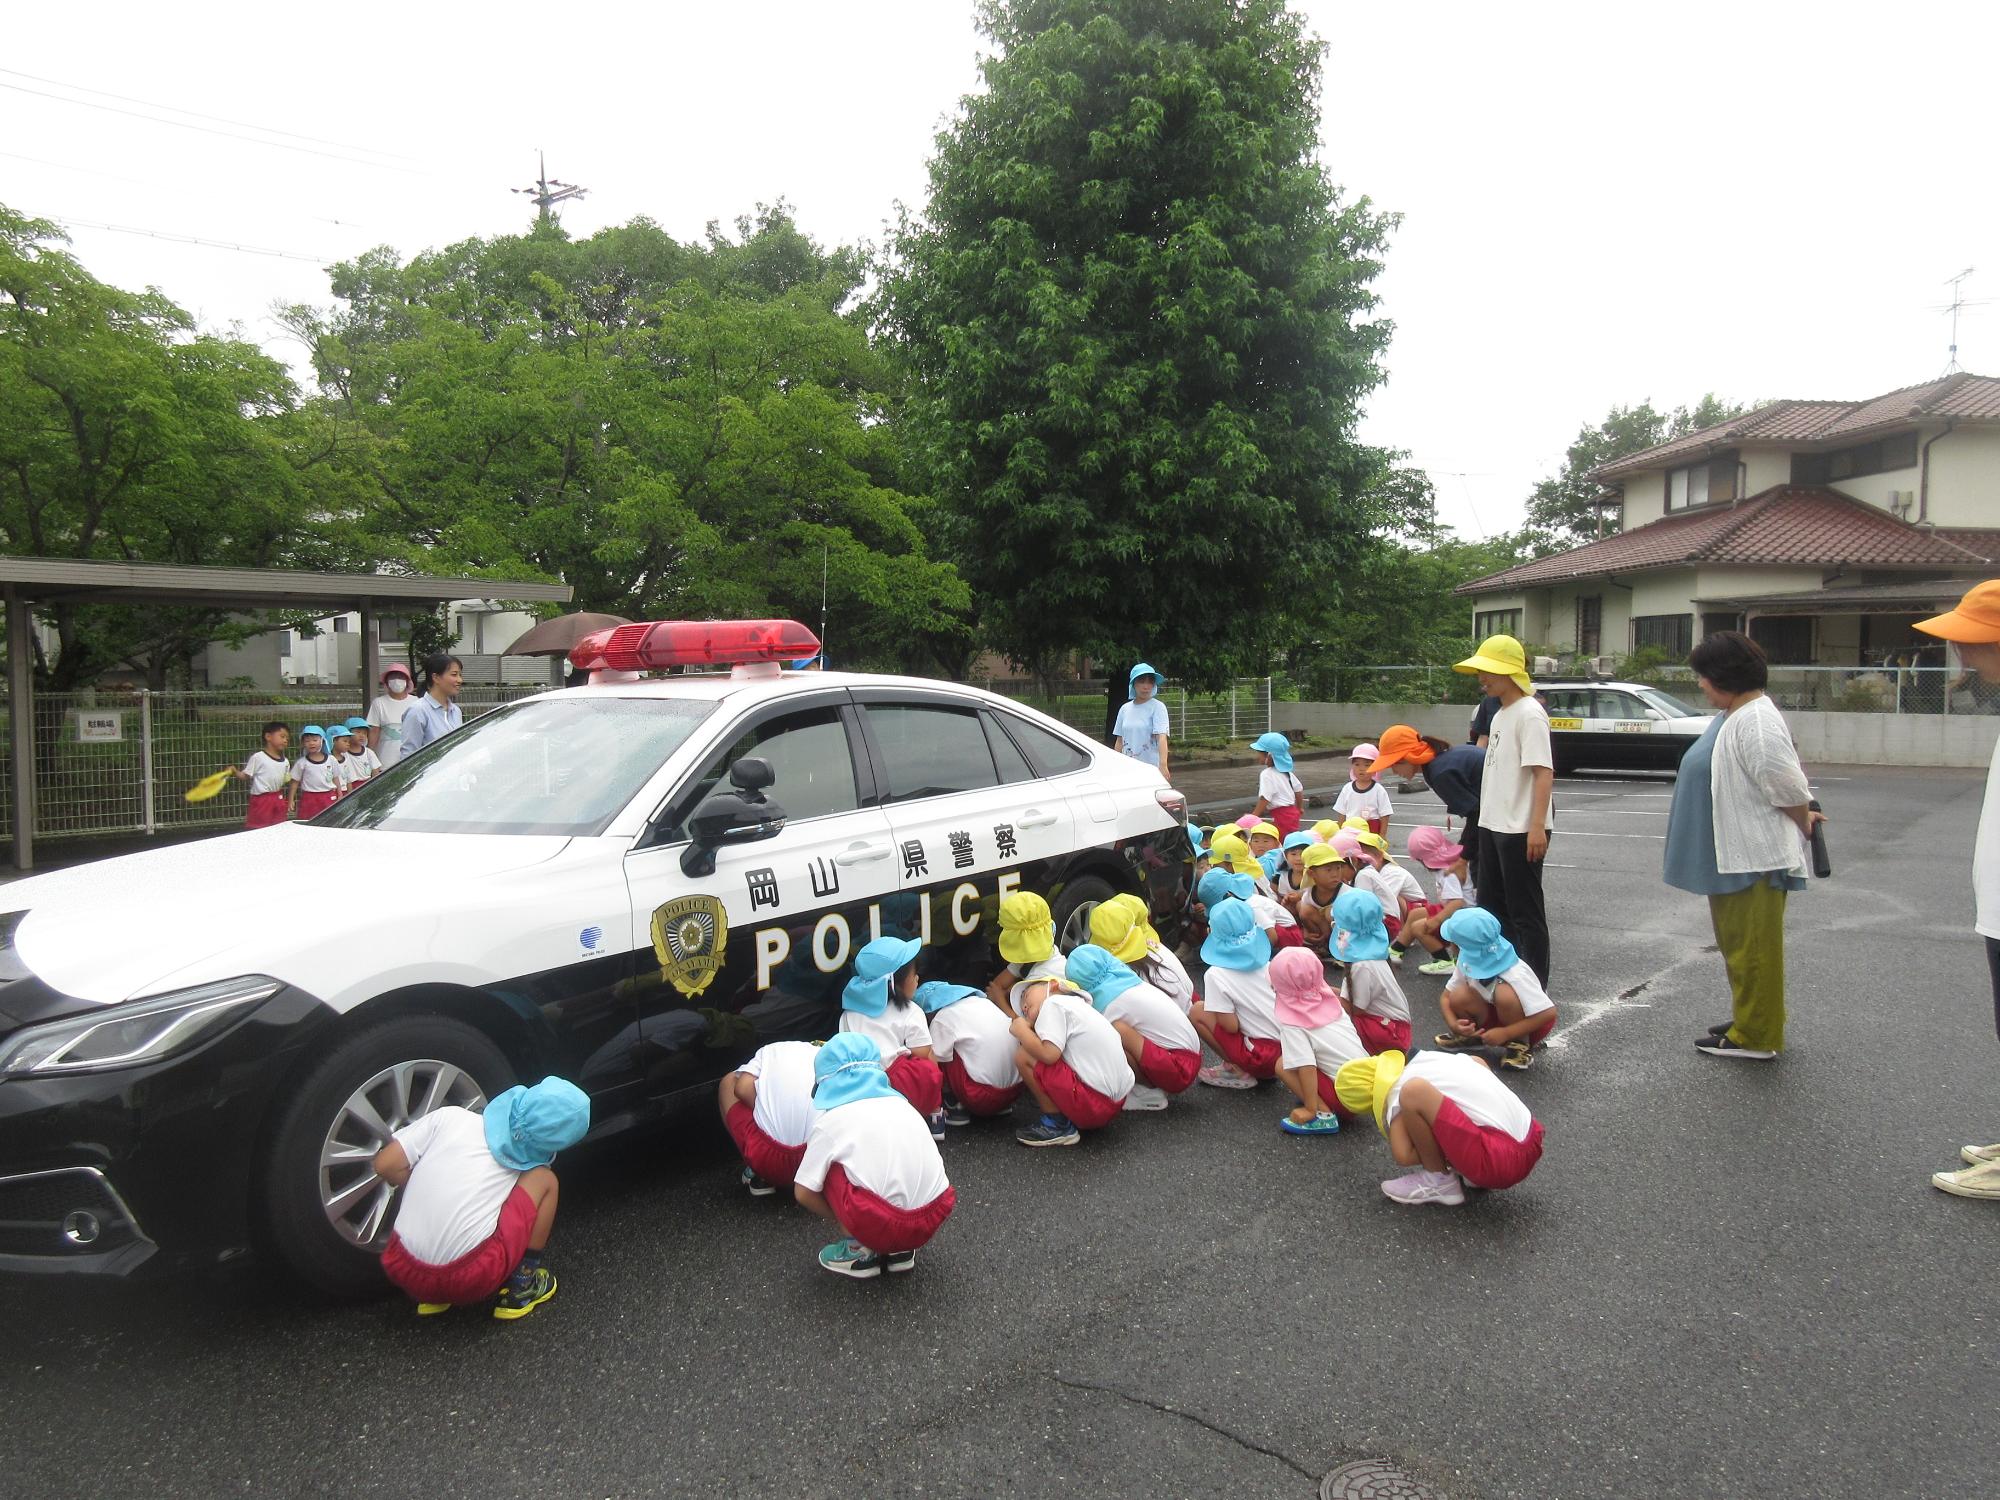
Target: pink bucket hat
x=1305 y=999
x=1345 y=844
x=1248 y=821
x=1433 y=849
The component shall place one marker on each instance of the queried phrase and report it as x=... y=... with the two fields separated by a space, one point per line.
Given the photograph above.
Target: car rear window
x=929 y=750
x=1051 y=754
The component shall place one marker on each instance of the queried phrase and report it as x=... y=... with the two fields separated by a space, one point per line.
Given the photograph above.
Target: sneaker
x=936 y=1123
x=1396 y=957
x=1317 y=1125
x=1049 y=1130
x=1721 y=1028
x=1517 y=1055
x=1226 y=1075
x=1437 y=966
x=956 y=1114
x=850 y=1258
x=1974 y=1182
x=432 y=1309
x=1145 y=1097
x=523 y=1293
x=1426 y=1187
x=756 y=1186
x=1451 y=1041
x=1978 y=1156
x=899 y=1260
x=1721 y=1046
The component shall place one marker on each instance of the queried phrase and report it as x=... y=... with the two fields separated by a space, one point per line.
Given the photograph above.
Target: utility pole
x=1957 y=285
x=547 y=194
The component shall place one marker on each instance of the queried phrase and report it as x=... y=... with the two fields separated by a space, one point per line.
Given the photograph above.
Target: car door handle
x=861 y=854
x=1034 y=817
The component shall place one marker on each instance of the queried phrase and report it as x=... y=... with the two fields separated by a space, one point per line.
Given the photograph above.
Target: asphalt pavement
x=1724 y=1279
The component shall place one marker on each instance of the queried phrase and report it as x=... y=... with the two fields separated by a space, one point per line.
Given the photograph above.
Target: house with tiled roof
x=1823 y=528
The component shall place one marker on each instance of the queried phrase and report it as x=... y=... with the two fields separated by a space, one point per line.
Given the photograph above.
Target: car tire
x=424 y=1061
x=1074 y=904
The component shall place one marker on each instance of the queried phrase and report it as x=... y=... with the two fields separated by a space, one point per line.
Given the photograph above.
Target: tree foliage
x=1136 y=315
x=1571 y=508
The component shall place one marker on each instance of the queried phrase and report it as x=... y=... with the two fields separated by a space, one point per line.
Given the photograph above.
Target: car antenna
x=823 y=662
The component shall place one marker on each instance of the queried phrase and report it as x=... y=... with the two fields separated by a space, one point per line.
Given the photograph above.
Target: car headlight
x=139 y=1031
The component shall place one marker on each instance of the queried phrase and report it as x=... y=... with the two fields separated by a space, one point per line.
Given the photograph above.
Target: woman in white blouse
x=1736 y=833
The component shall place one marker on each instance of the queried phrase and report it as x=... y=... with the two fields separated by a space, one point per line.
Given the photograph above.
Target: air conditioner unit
x=1543 y=666
x=1603 y=666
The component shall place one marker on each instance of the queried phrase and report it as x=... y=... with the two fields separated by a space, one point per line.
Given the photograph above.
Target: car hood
x=118 y=928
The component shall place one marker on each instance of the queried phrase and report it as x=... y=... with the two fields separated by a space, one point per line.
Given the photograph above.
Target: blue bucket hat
x=847 y=1070
x=1360 y=934
x=867 y=993
x=312 y=729
x=1197 y=838
x=1234 y=941
x=1273 y=860
x=1144 y=669
x=1217 y=886
x=526 y=1127
x=1093 y=969
x=935 y=994
x=357 y=722
x=1299 y=840
x=1277 y=747
x=1482 y=951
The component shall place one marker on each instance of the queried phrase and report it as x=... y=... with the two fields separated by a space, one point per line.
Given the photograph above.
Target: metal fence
x=1240 y=712
x=112 y=761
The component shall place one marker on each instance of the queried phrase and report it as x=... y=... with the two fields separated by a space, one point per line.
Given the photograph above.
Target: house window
x=1787 y=639
x=1882 y=457
x=1687 y=487
x=1589 y=625
x=1671 y=634
x=1711 y=623
x=1497 y=622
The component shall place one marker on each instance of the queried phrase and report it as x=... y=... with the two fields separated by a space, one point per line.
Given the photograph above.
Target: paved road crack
x=1189 y=1416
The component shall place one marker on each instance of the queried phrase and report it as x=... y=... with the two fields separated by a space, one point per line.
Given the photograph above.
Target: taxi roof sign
x=653 y=645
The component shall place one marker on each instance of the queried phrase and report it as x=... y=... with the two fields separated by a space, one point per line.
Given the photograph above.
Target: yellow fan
x=208 y=786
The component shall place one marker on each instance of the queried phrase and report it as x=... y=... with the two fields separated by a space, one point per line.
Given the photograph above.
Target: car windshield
x=561 y=765
x=1669 y=705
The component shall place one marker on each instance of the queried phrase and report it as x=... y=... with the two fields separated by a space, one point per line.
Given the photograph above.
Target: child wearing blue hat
x=878 y=1003
x=478 y=1198
x=1278 y=790
x=360 y=760
x=1288 y=882
x=870 y=1165
x=1160 y=1043
x=973 y=1047
x=1237 y=1013
x=1071 y=1060
x=1140 y=730
x=1375 y=1000
x=1493 y=998
x=315 y=779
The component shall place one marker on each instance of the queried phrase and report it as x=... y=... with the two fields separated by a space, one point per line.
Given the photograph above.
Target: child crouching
x=1447 y=1116
x=1375 y=998
x=1493 y=999
x=1072 y=1061
x=973 y=1047
x=1315 y=1039
x=767 y=1109
x=1237 y=1014
x=1160 y=1042
x=1433 y=848
x=876 y=1002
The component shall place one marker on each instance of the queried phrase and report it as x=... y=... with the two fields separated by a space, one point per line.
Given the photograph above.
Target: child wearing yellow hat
x=1327 y=873
x=1516 y=800
x=1446 y=1115
x=1028 y=944
x=1388 y=882
x=1121 y=927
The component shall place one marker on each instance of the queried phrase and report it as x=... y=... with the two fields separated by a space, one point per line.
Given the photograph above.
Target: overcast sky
x=1601 y=203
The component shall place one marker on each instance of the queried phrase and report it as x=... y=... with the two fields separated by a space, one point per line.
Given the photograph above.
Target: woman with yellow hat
x=1446 y=1115
x=1516 y=799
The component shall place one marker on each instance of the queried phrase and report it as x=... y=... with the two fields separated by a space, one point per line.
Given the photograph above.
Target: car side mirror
x=1656 y=714
x=735 y=817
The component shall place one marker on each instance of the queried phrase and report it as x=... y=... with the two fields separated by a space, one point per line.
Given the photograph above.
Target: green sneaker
x=1437 y=966
x=432 y=1309
x=852 y=1258
x=523 y=1294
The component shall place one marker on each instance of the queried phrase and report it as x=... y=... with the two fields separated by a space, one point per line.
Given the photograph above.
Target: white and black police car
x=632 y=884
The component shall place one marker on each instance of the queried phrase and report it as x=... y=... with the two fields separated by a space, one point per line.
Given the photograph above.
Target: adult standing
x=1736 y=834
x=435 y=714
x=1482 y=720
x=1974 y=627
x=1452 y=771
x=385 y=715
x=1516 y=790
x=1142 y=724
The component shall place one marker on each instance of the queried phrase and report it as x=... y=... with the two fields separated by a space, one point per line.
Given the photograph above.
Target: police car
x=631 y=884
x=1621 y=726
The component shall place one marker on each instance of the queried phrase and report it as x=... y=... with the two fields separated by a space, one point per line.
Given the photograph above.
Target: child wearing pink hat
x=1431 y=847
x=1364 y=796
x=1315 y=1037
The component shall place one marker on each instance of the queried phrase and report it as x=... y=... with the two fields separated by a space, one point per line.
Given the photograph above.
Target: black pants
x=1510 y=886
x=1993 y=968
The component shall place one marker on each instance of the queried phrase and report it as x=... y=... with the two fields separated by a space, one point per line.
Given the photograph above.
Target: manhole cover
x=1375 y=1479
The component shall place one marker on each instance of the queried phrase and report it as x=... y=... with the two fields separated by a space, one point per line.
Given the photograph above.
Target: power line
x=194 y=239
x=64 y=166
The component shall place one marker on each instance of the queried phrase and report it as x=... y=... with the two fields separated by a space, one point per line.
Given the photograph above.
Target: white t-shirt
x=316 y=775
x=386 y=714
x=361 y=765
x=343 y=772
x=1052 y=967
x=1278 y=788
x=784 y=1074
x=1323 y=1047
x=267 y=772
x=1155 y=1017
x=899 y=1029
x=1527 y=988
x=1372 y=986
x=1373 y=803
x=1986 y=858
x=1519 y=741
x=1138 y=725
x=973 y=1031
x=1245 y=994
x=457 y=1186
x=1269 y=913
x=1451 y=888
x=1470 y=1085
x=1170 y=976
x=1089 y=1045
x=1392 y=885
x=882 y=1144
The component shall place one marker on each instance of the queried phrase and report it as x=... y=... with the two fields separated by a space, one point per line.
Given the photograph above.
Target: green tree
x=1572 y=508
x=1135 y=313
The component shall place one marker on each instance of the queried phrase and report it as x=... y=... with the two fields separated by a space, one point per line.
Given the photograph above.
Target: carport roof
x=42 y=578
x=1867 y=599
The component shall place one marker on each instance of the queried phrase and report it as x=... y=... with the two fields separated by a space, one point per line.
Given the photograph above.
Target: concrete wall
x=1764 y=467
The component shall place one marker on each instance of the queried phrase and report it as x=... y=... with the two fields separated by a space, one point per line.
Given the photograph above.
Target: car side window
x=1006 y=754
x=928 y=750
x=1051 y=753
x=1619 y=706
x=1564 y=705
x=808 y=755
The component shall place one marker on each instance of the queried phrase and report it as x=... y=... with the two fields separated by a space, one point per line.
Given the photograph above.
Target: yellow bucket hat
x=1269 y=830
x=1320 y=854
x=1325 y=829
x=1372 y=840
x=1364 y=1084
x=1503 y=657
x=1229 y=850
x=1354 y=824
x=1115 y=929
x=1027 y=930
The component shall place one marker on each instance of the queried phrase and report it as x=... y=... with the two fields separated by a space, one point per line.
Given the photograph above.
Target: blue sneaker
x=936 y=1123
x=851 y=1258
x=1318 y=1125
x=956 y=1114
x=1049 y=1130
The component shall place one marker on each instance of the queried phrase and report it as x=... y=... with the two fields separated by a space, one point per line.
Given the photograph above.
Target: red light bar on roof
x=651 y=645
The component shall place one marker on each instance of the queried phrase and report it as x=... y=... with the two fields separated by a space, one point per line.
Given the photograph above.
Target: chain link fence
x=1240 y=712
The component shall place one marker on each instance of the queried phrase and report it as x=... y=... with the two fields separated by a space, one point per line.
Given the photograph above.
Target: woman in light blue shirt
x=1142 y=724
x=435 y=714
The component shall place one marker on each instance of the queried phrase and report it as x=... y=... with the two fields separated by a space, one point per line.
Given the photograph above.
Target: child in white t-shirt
x=1121 y=927
x=1072 y=1061
x=1278 y=790
x=1160 y=1042
x=879 y=1003
x=1396 y=888
x=1448 y=1117
x=362 y=762
x=870 y=1164
x=767 y=1109
x=1327 y=874
x=973 y=1045
x=1364 y=796
x=1493 y=998
x=1028 y=945
x=1237 y=1013
x=478 y=1198
x=1375 y=1000
x=268 y=772
x=1315 y=1037
x=315 y=777
x=1432 y=848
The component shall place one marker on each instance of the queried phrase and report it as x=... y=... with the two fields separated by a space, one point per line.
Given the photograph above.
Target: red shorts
x=1378 y=1035
x=1282 y=936
x=978 y=1098
x=1488 y=1016
x=1170 y=1070
x=1378 y=826
x=767 y=1156
x=1395 y=926
x=1285 y=819
x=310 y=805
x=1485 y=1155
x=266 y=808
x=475 y=1275
x=1331 y=1099
x=1255 y=1055
x=878 y=1223
x=1087 y=1109
x=918 y=1080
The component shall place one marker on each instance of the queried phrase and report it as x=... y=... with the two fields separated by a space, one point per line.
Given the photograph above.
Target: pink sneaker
x=1426 y=1187
x=1226 y=1075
